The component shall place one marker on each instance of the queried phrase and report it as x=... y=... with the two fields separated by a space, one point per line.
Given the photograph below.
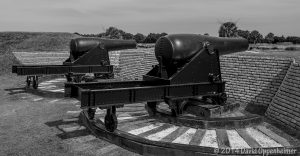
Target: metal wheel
x=220 y=99
x=151 y=108
x=77 y=79
x=91 y=113
x=223 y=98
x=111 y=122
x=69 y=78
x=28 y=81
x=110 y=76
x=35 y=82
x=177 y=106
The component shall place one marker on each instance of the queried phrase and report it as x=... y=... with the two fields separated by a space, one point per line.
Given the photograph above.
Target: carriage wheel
x=91 y=113
x=151 y=108
x=28 y=81
x=35 y=82
x=177 y=106
x=110 y=120
x=77 y=79
x=69 y=77
x=220 y=99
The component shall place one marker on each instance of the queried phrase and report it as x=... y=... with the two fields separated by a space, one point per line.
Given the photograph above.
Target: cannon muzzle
x=79 y=46
x=180 y=48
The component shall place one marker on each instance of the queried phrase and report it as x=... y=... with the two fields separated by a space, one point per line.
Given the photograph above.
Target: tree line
x=115 y=33
x=227 y=29
x=230 y=29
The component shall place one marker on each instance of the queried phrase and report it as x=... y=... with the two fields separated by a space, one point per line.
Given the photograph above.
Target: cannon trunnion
x=187 y=75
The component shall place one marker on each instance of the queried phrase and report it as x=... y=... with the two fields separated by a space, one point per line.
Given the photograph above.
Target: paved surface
x=60 y=120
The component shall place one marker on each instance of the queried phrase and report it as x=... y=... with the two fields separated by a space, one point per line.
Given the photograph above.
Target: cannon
x=188 y=70
x=87 y=55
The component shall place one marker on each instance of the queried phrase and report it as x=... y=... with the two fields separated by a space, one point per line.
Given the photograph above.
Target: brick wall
x=248 y=79
x=132 y=64
x=253 y=80
x=285 y=106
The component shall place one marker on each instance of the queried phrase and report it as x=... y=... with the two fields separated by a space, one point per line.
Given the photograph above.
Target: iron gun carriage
x=188 y=69
x=87 y=55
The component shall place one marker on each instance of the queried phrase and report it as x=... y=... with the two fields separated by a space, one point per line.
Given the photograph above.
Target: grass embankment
x=29 y=41
x=286 y=46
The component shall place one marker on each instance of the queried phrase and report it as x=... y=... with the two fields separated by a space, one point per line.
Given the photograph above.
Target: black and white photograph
x=149 y=77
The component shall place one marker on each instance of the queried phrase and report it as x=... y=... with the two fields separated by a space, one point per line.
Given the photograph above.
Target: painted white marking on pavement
x=186 y=137
x=235 y=140
x=123 y=115
x=38 y=99
x=55 y=80
x=145 y=129
x=53 y=101
x=160 y=135
x=98 y=111
x=57 y=90
x=60 y=79
x=45 y=83
x=72 y=129
x=125 y=118
x=209 y=139
x=262 y=139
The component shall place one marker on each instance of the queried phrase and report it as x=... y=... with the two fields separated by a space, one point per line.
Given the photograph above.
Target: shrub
x=290 y=48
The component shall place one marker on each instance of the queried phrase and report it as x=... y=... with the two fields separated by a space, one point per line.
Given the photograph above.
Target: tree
x=127 y=36
x=243 y=33
x=293 y=39
x=228 y=29
x=153 y=37
x=114 y=33
x=269 y=38
x=139 y=38
x=279 y=39
x=255 y=37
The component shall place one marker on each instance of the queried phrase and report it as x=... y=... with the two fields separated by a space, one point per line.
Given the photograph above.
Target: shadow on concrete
x=13 y=91
x=42 y=93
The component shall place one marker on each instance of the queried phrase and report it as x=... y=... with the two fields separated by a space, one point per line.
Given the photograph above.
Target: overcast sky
x=282 y=17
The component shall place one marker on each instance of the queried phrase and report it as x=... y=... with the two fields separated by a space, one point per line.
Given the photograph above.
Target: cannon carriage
x=188 y=74
x=87 y=55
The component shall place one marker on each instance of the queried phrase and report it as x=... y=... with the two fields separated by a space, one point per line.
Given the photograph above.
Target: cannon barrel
x=182 y=47
x=79 y=46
